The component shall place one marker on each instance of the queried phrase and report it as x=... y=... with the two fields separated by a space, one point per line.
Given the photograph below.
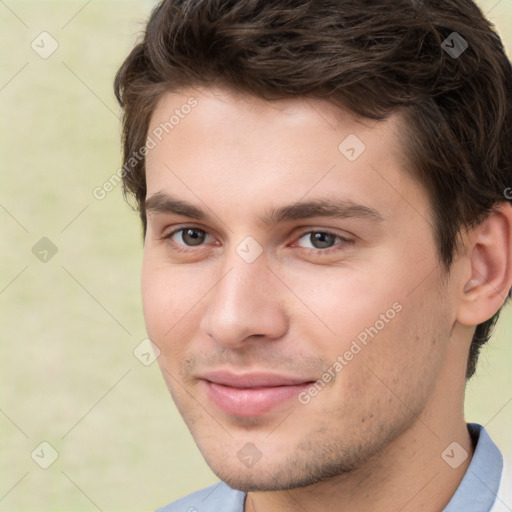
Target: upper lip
x=251 y=379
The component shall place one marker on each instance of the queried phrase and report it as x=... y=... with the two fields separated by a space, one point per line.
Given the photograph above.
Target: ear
x=489 y=254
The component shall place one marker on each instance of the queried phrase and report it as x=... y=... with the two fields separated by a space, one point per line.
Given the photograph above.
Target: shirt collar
x=479 y=487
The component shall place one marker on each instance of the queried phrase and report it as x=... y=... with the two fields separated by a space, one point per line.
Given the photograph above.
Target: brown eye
x=183 y=238
x=321 y=239
x=319 y=243
x=192 y=236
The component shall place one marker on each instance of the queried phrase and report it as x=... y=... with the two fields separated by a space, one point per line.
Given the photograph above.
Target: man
x=327 y=244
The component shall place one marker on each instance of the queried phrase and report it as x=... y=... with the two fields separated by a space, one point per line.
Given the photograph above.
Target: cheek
x=168 y=318
x=344 y=306
x=386 y=342
x=166 y=300
x=156 y=303
x=404 y=360
x=173 y=300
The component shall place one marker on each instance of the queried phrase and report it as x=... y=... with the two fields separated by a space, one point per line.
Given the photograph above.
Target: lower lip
x=251 y=401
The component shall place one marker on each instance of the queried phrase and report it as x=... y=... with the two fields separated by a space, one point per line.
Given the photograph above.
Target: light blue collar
x=479 y=487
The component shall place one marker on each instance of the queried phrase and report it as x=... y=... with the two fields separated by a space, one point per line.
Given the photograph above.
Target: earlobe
x=490 y=256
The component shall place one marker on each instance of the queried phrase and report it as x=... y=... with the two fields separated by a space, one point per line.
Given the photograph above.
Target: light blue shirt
x=476 y=492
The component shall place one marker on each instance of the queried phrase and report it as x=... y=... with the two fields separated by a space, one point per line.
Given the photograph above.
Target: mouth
x=251 y=394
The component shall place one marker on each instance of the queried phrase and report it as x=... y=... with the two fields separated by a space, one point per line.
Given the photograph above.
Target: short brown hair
x=372 y=57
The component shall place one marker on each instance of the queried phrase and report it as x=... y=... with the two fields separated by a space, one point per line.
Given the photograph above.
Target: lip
x=251 y=394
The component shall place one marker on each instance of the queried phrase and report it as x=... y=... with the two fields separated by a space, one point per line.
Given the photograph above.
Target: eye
x=321 y=240
x=187 y=237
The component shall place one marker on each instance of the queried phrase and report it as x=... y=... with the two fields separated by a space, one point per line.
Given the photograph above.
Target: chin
x=266 y=476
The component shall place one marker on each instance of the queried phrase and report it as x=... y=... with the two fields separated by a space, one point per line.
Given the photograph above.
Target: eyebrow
x=321 y=207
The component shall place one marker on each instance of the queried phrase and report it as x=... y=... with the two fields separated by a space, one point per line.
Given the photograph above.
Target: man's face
x=250 y=309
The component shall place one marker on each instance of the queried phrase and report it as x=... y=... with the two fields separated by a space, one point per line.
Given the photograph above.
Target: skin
x=372 y=438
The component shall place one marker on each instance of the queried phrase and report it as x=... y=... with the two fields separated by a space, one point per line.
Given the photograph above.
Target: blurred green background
x=70 y=324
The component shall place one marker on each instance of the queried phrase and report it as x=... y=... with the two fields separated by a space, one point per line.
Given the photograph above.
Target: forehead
x=211 y=141
x=231 y=115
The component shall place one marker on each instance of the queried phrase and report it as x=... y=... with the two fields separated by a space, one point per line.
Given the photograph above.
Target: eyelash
x=327 y=251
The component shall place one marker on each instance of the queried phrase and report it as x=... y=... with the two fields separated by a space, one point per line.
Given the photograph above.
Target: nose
x=246 y=301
